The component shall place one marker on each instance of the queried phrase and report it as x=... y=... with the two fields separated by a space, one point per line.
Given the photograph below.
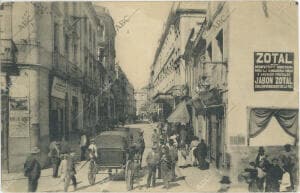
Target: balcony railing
x=8 y=51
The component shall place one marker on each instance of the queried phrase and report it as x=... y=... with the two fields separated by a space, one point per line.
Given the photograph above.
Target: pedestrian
x=67 y=171
x=261 y=175
x=183 y=135
x=174 y=158
x=285 y=185
x=273 y=176
x=141 y=145
x=289 y=160
x=32 y=170
x=83 y=145
x=152 y=162
x=165 y=165
x=93 y=149
x=225 y=184
x=201 y=153
x=159 y=150
x=54 y=153
x=252 y=177
x=193 y=147
x=155 y=137
x=260 y=155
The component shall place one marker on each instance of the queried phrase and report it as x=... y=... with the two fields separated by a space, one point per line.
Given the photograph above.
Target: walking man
x=32 y=170
x=152 y=162
x=55 y=158
x=67 y=171
x=141 y=145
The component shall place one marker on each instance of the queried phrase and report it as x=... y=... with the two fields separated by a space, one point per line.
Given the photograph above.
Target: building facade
x=228 y=89
x=61 y=74
x=168 y=80
x=141 y=97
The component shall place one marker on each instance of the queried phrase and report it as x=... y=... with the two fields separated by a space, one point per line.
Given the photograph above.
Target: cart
x=112 y=150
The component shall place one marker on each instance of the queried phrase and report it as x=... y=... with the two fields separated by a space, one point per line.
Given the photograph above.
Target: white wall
x=251 y=31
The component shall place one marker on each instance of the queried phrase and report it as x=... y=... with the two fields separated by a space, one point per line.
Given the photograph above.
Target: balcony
x=214 y=75
x=8 y=56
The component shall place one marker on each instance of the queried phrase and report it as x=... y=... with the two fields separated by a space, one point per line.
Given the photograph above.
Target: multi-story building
x=168 y=69
x=125 y=105
x=141 y=97
x=107 y=55
x=55 y=94
x=230 y=91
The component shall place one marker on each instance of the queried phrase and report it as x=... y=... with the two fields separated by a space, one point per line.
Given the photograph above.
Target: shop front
x=208 y=121
x=58 y=110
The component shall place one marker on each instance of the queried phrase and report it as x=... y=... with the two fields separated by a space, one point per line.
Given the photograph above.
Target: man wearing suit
x=32 y=170
x=152 y=162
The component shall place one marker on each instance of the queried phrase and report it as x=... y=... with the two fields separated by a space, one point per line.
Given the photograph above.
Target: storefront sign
x=273 y=71
x=59 y=88
x=18 y=117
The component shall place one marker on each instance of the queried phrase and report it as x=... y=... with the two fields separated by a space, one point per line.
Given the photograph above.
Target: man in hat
x=225 y=184
x=260 y=156
x=32 y=170
x=289 y=160
x=93 y=149
x=141 y=145
x=152 y=162
x=55 y=157
x=67 y=171
x=174 y=157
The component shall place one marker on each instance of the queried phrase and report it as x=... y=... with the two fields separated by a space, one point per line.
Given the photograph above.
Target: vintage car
x=112 y=149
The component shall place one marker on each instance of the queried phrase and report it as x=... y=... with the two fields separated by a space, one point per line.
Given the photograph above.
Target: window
x=75 y=49
x=67 y=46
x=56 y=37
x=209 y=51
x=219 y=39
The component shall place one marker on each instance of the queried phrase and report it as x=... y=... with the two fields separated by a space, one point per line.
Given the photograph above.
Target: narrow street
x=189 y=180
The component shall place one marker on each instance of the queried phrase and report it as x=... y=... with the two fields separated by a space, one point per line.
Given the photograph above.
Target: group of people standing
x=276 y=175
x=173 y=146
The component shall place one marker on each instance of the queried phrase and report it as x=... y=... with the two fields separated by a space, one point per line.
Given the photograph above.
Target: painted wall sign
x=59 y=88
x=18 y=117
x=273 y=71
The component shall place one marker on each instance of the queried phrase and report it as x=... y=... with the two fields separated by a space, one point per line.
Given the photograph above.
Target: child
x=252 y=178
x=285 y=185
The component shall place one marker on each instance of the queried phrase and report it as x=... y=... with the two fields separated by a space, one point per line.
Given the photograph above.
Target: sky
x=137 y=39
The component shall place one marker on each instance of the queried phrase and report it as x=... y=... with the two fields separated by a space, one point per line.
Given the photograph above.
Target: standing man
x=155 y=137
x=55 y=158
x=83 y=145
x=32 y=170
x=141 y=145
x=260 y=155
x=289 y=160
x=174 y=157
x=152 y=162
x=201 y=152
x=93 y=149
x=67 y=171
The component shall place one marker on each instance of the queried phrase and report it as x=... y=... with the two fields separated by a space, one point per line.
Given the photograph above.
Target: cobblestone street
x=190 y=179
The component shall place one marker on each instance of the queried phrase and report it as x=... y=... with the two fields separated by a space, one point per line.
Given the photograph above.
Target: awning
x=180 y=114
x=160 y=97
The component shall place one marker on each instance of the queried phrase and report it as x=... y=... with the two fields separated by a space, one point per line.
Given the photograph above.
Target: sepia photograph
x=149 y=96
